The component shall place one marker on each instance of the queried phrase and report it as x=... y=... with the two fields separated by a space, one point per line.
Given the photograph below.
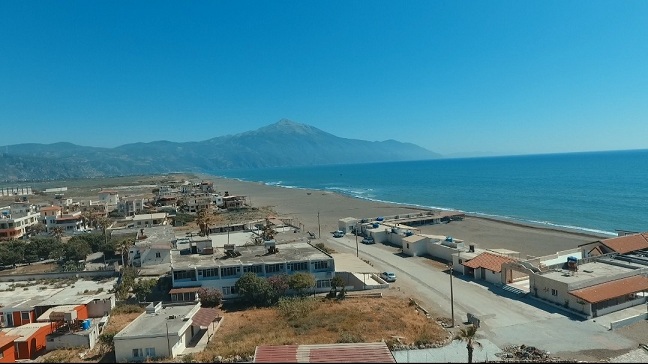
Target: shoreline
x=319 y=211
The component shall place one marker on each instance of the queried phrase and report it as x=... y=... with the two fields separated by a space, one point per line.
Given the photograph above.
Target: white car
x=388 y=276
x=338 y=234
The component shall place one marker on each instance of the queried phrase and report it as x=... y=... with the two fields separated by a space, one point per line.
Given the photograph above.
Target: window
x=407 y=245
x=211 y=272
x=158 y=255
x=253 y=268
x=321 y=265
x=137 y=353
x=150 y=352
x=274 y=268
x=25 y=316
x=554 y=292
x=326 y=283
x=298 y=266
x=229 y=290
x=229 y=271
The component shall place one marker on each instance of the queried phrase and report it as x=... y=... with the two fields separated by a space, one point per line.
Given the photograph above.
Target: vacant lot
x=322 y=321
x=31 y=269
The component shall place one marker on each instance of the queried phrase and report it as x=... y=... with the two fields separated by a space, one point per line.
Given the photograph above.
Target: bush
x=348 y=337
x=210 y=297
x=301 y=282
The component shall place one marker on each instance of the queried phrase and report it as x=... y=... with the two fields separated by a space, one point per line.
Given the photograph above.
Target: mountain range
x=284 y=143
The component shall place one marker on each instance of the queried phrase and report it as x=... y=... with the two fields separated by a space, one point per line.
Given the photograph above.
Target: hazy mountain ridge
x=281 y=144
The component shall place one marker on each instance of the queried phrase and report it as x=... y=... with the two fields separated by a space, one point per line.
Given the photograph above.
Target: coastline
x=319 y=211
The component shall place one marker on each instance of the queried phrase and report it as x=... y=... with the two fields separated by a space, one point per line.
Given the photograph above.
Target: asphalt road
x=505 y=318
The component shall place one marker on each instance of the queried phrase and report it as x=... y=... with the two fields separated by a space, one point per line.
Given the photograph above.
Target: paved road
x=505 y=319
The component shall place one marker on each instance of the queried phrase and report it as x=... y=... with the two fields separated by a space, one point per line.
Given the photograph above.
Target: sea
x=591 y=192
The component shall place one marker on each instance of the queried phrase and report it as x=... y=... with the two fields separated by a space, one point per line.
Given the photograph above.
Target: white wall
x=99 y=308
x=73 y=340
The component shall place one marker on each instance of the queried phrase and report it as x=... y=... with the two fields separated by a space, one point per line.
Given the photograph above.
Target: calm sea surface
x=596 y=191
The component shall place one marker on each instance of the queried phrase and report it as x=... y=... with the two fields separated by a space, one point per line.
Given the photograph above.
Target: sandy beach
x=305 y=205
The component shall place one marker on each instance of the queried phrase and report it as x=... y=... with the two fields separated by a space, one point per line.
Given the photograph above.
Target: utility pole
x=319 y=227
x=451 y=295
x=228 y=231
x=357 y=249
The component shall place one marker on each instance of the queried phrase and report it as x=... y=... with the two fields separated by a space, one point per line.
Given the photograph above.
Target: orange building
x=32 y=339
x=7 y=349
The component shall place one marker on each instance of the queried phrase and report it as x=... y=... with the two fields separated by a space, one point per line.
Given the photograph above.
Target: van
x=338 y=234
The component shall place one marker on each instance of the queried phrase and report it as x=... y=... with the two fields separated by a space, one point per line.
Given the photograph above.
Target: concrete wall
x=440 y=251
x=87 y=340
x=628 y=321
x=102 y=307
x=124 y=347
x=415 y=249
x=543 y=287
x=83 y=274
x=492 y=277
x=621 y=306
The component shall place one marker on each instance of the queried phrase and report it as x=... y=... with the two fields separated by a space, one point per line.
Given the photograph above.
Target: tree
x=210 y=297
x=336 y=282
x=36 y=228
x=11 y=253
x=143 y=288
x=467 y=335
x=204 y=219
x=279 y=284
x=76 y=250
x=107 y=342
x=254 y=290
x=300 y=282
x=57 y=232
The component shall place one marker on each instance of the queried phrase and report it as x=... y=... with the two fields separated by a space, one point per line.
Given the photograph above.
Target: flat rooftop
x=47 y=295
x=157 y=235
x=252 y=254
x=159 y=323
x=591 y=270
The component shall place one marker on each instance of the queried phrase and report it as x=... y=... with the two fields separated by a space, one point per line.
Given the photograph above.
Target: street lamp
x=319 y=227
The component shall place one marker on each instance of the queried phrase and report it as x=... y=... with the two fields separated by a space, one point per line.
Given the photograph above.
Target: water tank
x=449 y=238
x=572 y=259
x=85 y=324
x=375 y=225
x=380 y=218
x=409 y=233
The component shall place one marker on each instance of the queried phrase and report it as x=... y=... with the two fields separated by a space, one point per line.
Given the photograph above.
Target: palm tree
x=467 y=335
x=204 y=219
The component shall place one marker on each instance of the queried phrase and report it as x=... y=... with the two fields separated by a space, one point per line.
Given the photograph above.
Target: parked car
x=388 y=276
x=338 y=234
x=368 y=240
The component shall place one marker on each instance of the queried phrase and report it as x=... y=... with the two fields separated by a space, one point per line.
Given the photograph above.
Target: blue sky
x=505 y=77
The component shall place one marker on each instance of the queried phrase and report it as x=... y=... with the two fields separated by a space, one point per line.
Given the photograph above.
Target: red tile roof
x=608 y=290
x=325 y=353
x=628 y=243
x=50 y=208
x=205 y=316
x=489 y=261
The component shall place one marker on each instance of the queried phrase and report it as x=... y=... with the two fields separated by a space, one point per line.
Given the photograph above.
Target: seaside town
x=155 y=272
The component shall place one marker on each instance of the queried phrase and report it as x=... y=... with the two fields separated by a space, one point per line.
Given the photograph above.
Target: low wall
x=61 y=275
x=628 y=321
x=622 y=306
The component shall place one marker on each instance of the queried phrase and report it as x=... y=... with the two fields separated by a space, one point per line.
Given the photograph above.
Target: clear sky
x=506 y=77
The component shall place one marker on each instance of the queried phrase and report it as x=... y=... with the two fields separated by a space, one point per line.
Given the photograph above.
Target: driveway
x=505 y=318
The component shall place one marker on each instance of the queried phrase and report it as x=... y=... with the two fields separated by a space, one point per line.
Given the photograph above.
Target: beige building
x=161 y=331
x=16 y=219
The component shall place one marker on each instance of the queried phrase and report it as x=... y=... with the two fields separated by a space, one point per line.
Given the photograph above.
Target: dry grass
x=33 y=268
x=323 y=322
x=62 y=356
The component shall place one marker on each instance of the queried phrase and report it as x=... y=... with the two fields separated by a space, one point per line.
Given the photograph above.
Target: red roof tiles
x=205 y=316
x=608 y=290
x=628 y=243
x=325 y=353
x=488 y=261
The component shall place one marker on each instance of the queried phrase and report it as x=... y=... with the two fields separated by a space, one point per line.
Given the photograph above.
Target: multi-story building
x=131 y=206
x=109 y=197
x=16 y=219
x=49 y=214
x=70 y=223
x=221 y=268
x=194 y=202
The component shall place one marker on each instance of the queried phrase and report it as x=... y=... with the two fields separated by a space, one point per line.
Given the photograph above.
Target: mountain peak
x=285 y=126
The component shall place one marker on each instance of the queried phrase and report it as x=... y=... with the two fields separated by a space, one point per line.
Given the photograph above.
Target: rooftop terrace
x=252 y=254
x=169 y=319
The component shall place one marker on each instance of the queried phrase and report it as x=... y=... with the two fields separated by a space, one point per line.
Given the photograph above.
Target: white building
x=49 y=214
x=152 y=247
x=70 y=223
x=109 y=197
x=131 y=206
x=221 y=268
x=16 y=219
x=161 y=331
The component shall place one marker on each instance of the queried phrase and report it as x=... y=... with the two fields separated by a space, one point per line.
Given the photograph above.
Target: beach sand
x=305 y=205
